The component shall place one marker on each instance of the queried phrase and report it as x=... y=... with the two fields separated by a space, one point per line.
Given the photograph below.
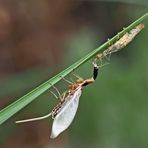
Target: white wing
x=66 y=115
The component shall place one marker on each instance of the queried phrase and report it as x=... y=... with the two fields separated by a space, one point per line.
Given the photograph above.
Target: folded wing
x=66 y=114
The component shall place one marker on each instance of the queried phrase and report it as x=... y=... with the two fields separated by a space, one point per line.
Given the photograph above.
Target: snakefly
x=64 y=113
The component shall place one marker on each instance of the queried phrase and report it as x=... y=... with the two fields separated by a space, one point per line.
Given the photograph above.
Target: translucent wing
x=66 y=115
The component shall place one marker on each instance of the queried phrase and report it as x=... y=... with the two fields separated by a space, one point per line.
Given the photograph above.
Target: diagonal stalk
x=16 y=106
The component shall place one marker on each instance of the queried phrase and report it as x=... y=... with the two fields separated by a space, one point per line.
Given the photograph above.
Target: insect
x=121 y=43
x=64 y=113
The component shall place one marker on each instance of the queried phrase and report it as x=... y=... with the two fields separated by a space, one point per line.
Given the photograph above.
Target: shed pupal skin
x=121 y=43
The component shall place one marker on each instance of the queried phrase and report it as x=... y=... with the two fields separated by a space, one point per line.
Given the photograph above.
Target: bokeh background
x=38 y=39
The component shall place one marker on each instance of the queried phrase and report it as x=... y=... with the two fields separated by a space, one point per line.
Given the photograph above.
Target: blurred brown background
x=40 y=38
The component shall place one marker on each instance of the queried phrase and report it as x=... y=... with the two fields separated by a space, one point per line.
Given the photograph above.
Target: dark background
x=38 y=39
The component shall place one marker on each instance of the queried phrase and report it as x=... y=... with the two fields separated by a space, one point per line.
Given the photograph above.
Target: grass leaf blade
x=16 y=106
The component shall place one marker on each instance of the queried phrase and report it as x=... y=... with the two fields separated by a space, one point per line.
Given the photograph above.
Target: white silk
x=66 y=114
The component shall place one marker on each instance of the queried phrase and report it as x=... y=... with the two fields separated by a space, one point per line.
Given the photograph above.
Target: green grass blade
x=16 y=106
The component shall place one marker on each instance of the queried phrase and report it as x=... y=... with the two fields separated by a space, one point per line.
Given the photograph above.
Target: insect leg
x=77 y=76
x=59 y=94
x=107 y=53
x=72 y=80
x=54 y=94
x=66 y=80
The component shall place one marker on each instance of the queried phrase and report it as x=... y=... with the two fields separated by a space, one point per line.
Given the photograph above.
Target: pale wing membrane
x=66 y=115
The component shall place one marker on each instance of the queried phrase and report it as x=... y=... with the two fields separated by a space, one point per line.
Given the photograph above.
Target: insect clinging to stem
x=64 y=113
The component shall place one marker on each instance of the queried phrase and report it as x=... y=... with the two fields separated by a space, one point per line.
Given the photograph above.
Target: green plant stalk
x=16 y=106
